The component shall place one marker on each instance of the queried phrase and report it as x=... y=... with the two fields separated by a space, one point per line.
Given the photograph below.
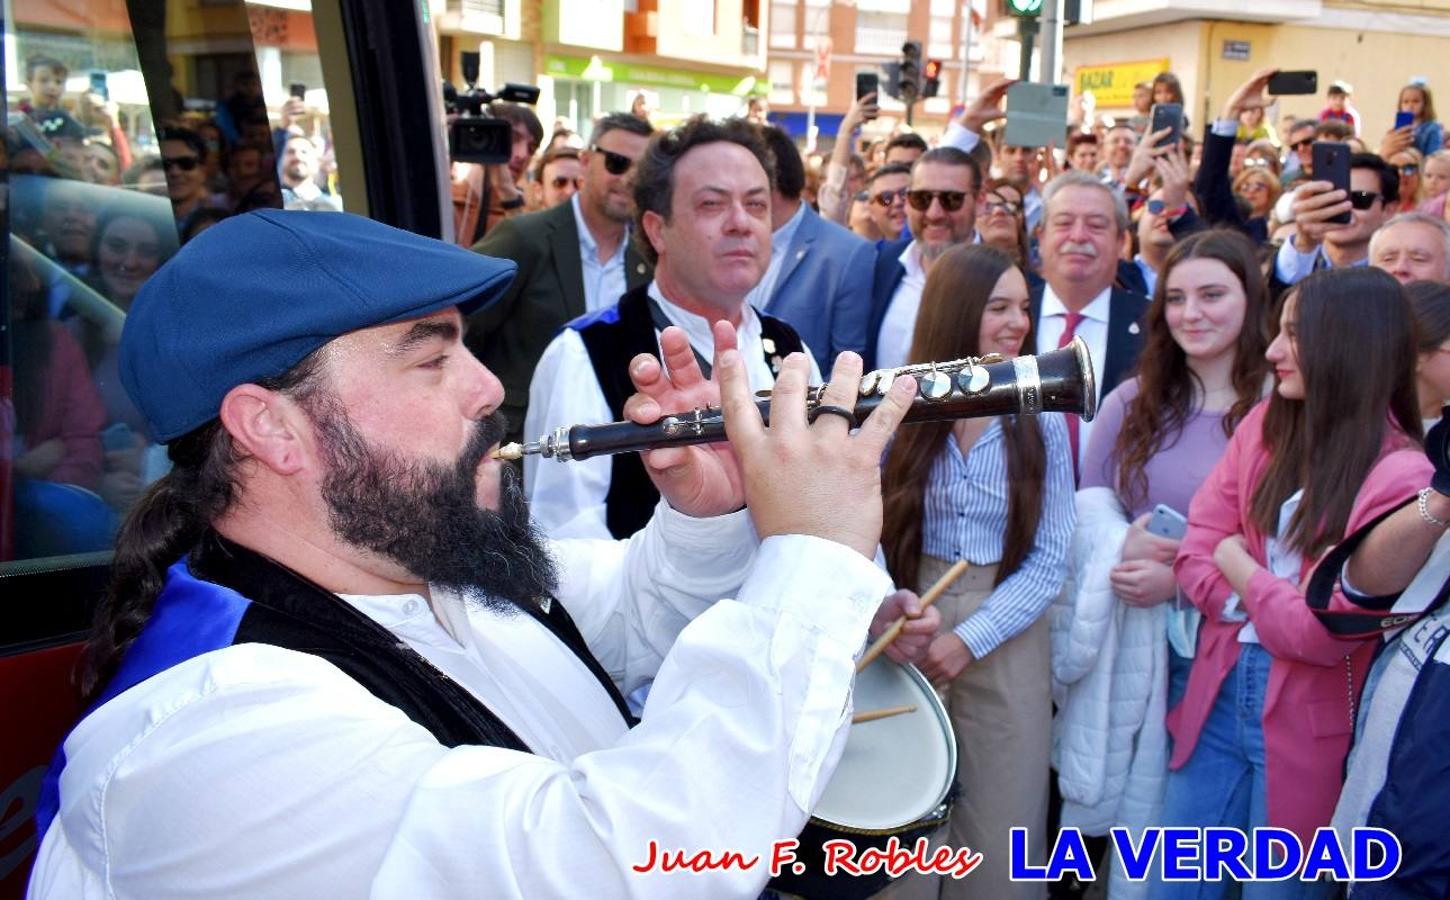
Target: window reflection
x=130 y=128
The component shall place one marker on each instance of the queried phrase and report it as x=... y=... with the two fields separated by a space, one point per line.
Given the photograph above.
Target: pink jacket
x=1308 y=716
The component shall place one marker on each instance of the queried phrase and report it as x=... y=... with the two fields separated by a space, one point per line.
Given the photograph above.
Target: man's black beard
x=425 y=516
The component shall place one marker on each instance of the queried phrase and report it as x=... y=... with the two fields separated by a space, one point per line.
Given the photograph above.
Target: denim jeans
x=1223 y=784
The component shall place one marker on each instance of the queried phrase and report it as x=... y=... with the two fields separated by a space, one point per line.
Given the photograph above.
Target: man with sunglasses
x=1321 y=244
x=183 y=159
x=573 y=258
x=942 y=213
x=1299 y=146
x=557 y=177
x=886 y=199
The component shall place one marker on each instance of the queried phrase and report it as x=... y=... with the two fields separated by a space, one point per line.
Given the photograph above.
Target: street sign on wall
x=1112 y=83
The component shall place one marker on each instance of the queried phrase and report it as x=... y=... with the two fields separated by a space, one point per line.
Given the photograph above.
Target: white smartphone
x=1167 y=522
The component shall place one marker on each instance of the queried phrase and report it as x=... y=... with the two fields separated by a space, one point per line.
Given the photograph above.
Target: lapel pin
x=639 y=269
x=800 y=254
x=1133 y=328
x=768 y=346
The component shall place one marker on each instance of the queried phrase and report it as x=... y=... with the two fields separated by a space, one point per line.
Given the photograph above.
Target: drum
x=896 y=778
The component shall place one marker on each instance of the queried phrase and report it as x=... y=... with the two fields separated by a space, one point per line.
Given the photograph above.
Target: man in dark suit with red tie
x=1082 y=227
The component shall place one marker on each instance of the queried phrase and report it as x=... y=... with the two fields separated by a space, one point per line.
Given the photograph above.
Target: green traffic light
x=1024 y=7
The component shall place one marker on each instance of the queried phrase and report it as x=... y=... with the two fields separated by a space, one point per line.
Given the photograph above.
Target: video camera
x=477 y=136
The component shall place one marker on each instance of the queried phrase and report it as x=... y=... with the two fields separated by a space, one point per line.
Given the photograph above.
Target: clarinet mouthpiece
x=517 y=451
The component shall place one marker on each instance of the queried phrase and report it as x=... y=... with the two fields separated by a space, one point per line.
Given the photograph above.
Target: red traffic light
x=933 y=68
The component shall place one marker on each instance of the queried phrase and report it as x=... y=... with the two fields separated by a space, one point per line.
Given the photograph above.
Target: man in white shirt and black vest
x=703 y=198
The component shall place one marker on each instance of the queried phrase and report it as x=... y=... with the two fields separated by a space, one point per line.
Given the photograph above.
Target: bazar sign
x=596 y=69
x=1112 y=84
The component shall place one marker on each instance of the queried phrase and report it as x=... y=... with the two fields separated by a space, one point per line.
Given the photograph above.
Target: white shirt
x=1291 y=266
x=604 y=282
x=1283 y=562
x=567 y=499
x=780 y=241
x=893 y=342
x=254 y=771
x=1093 y=329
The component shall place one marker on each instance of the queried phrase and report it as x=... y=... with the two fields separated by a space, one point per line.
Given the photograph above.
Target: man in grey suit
x=819 y=279
x=574 y=258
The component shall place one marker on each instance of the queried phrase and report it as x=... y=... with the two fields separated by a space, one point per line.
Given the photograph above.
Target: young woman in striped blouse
x=997 y=492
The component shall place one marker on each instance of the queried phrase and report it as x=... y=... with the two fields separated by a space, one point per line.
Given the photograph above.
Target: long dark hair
x=948 y=326
x=1356 y=349
x=1154 y=419
x=165 y=524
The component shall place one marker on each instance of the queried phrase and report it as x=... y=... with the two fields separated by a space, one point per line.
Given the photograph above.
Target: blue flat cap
x=250 y=297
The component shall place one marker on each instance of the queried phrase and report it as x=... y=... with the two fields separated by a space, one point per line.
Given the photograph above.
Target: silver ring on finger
x=830 y=410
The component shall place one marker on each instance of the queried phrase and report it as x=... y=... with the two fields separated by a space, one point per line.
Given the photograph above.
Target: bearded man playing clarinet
x=335 y=659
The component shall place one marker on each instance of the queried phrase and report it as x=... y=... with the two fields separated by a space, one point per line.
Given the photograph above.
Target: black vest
x=286 y=610
x=613 y=338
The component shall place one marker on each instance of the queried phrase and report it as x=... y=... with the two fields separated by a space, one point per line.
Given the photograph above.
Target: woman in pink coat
x=1263 y=729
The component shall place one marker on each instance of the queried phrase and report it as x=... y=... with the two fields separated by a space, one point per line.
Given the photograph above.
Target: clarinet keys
x=934 y=385
x=973 y=380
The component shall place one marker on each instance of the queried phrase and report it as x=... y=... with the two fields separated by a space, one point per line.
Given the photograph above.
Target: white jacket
x=1110 y=684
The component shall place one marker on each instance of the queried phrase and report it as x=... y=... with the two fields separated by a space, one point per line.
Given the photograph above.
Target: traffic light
x=1031 y=8
x=910 y=71
x=931 y=84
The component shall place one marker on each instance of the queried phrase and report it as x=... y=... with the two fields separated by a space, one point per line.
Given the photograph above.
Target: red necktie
x=1073 y=319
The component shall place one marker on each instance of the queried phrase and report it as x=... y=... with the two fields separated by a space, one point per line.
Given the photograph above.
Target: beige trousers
x=1001 y=711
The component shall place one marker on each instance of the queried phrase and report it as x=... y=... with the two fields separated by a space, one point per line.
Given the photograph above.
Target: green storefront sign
x=596 y=69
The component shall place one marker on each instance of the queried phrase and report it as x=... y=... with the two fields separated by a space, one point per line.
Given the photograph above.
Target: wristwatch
x=515 y=203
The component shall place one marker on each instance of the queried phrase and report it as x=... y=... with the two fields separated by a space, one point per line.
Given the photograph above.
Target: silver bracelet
x=1424 y=507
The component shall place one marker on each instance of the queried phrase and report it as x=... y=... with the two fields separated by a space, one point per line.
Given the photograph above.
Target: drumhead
x=894 y=771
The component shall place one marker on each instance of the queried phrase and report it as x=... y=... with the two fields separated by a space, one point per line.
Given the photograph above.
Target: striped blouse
x=966 y=518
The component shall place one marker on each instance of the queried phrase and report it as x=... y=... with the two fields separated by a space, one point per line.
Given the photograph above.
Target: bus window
x=130 y=129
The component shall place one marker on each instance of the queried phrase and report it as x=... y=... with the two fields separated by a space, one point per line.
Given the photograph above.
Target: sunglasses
x=951 y=201
x=1156 y=207
x=1301 y=144
x=184 y=163
x=1410 y=169
x=886 y=198
x=997 y=205
x=1362 y=199
x=562 y=181
x=614 y=163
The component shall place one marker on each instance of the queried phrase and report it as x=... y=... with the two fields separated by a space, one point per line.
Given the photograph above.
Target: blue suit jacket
x=823 y=289
x=887 y=276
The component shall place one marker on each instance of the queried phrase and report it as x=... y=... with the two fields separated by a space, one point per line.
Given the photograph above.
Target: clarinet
x=1059 y=381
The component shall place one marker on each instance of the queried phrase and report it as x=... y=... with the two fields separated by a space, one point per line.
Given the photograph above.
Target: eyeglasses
x=1410 y=169
x=951 y=201
x=184 y=163
x=614 y=163
x=562 y=181
x=998 y=205
x=1253 y=187
x=1363 y=199
x=887 y=198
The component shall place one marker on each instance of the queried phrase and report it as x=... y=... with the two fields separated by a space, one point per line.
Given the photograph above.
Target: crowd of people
x=103 y=200
x=1267 y=349
x=1145 y=624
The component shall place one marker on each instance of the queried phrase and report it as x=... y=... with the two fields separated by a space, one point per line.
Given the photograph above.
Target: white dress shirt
x=254 y=771
x=1093 y=329
x=604 y=282
x=780 y=241
x=567 y=499
x=893 y=342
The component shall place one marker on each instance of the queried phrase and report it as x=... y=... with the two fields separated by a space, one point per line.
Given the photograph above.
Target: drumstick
x=930 y=597
x=872 y=715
